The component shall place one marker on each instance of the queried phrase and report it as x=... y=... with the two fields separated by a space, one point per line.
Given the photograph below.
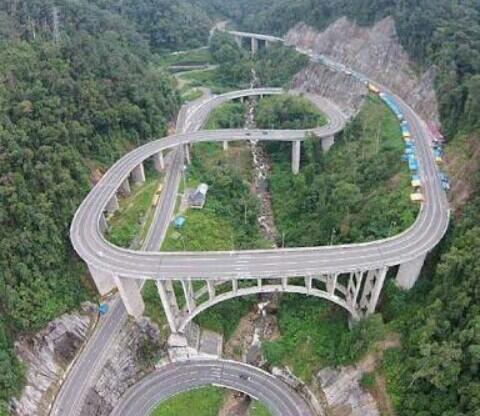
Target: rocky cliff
x=374 y=51
x=46 y=355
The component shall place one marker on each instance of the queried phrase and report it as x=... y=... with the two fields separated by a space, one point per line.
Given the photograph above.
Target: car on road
x=245 y=377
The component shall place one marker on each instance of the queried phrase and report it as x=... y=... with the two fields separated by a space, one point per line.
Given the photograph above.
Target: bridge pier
x=327 y=143
x=189 y=294
x=296 y=156
x=159 y=161
x=103 y=224
x=238 y=40
x=103 y=280
x=187 y=154
x=408 y=273
x=372 y=288
x=254 y=45
x=225 y=145
x=131 y=295
x=211 y=289
x=112 y=204
x=138 y=174
x=125 y=187
x=169 y=302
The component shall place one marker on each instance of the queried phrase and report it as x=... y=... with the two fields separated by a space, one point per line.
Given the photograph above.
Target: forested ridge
x=79 y=87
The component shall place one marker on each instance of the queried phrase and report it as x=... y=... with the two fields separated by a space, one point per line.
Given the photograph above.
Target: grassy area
x=131 y=220
x=288 y=112
x=358 y=191
x=315 y=333
x=205 y=401
x=191 y=94
x=258 y=409
x=192 y=57
x=210 y=79
x=228 y=116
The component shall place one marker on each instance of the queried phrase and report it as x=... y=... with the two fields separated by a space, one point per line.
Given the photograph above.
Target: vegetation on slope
x=228 y=116
x=288 y=112
x=358 y=191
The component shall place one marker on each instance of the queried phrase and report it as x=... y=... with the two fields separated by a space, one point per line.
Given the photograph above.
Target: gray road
x=174 y=378
x=86 y=369
x=426 y=232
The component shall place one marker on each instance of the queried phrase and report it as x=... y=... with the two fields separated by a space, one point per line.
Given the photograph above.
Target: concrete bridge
x=255 y=39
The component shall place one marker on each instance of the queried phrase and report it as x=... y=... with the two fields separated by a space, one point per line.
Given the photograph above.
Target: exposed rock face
x=129 y=359
x=374 y=51
x=343 y=393
x=46 y=357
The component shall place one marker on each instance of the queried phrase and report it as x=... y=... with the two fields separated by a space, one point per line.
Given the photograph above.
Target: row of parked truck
x=410 y=151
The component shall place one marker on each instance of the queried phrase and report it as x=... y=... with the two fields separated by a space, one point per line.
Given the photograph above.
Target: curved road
x=175 y=378
x=420 y=238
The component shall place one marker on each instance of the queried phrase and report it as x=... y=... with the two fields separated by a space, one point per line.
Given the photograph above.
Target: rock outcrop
x=374 y=51
x=131 y=357
x=47 y=355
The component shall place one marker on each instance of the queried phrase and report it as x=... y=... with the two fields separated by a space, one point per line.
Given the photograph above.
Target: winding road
x=91 y=245
x=175 y=378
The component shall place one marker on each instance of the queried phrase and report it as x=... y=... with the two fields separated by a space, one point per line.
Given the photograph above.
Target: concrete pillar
x=327 y=143
x=259 y=282
x=353 y=287
x=125 y=187
x=372 y=288
x=238 y=39
x=225 y=145
x=187 y=154
x=267 y=44
x=169 y=302
x=189 y=294
x=103 y=280
x=331 y=283
x=234 y=285
x=138 y=174
x=131 y=295
x=409 y=272
x=308 y=283
x=159 y=161
x=211 y=289
x=112 y=204
x=284 y=283
x=103 y=224
x=296 y=157
x=254 y=45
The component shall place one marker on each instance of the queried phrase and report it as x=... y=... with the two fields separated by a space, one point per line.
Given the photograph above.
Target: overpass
x=254 y=39
x=350 y=275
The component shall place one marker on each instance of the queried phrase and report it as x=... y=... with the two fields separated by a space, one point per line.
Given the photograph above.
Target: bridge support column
x=159 y=161
x=225 y=145
x=254 y=45
x=308 y=283
x=103 y=224
x=259 y=282
x=296 y=157
x=187 y=154
x=267 y=44
x=238 y=39
x=169 y=302
x=112 y=205
x=327 y=143
x=189 y=294
x=234 y=285
x=284 y=283
x=138 y=174
x=211 y=289
x=353 y=287
x=408 y=273
x=131 y=295
x=125 y=187
x=103 y=280
x=331 y=283
x=372 y=288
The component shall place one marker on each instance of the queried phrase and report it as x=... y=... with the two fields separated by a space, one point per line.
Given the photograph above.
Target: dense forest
x=78 y=88
x=80 y=85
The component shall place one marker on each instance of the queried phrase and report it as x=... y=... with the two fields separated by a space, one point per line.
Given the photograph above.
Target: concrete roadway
x=90 y=244
x=86 y=369
x=175 y=378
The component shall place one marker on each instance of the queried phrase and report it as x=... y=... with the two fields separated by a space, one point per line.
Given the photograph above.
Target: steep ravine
x=374 y=51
